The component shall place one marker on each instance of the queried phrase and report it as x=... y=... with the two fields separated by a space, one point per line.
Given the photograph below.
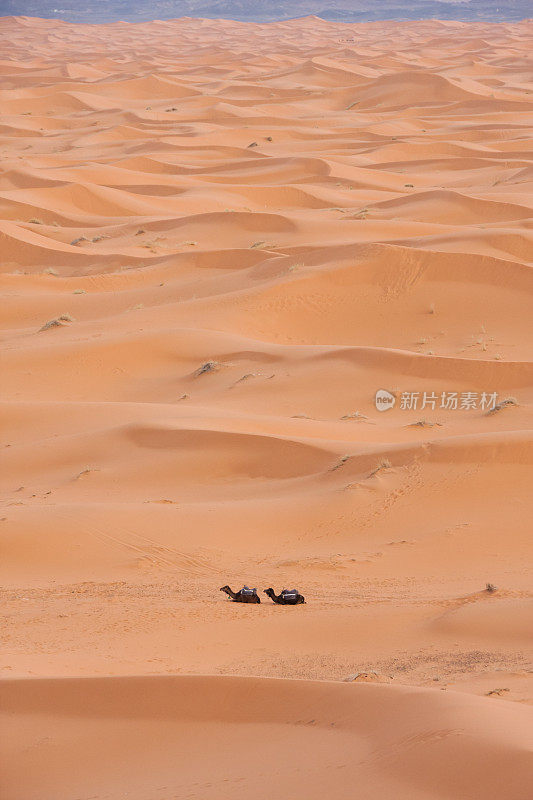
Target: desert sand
x=218 y=241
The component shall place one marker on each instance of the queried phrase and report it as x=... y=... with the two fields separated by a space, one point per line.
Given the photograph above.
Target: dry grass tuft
x=86 y=472
x=508 y=401
x=246 y=376
x=340 y=462
x=209 y=366
x=383 y=464
x=58 y=322
x=367 y=676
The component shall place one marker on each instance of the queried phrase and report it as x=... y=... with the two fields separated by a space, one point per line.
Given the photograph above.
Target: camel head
x=225 y=589
x=269 y=592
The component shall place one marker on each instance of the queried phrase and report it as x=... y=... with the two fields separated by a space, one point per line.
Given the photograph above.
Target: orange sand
x=321 y=210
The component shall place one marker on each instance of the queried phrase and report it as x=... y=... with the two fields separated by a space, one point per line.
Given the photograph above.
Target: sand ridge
x=218 y=241
x=205 y=735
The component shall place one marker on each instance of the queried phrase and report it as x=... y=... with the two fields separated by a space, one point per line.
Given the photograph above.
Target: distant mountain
x=261 y=11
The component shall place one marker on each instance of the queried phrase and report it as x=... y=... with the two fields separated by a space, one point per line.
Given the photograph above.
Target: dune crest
x=234 y=733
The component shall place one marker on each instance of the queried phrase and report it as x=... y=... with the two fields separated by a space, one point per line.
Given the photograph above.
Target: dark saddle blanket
x=290 y=594
x=247 y=591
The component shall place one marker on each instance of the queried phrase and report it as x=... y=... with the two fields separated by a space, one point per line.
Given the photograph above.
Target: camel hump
x=289 y=591
x=247 y=590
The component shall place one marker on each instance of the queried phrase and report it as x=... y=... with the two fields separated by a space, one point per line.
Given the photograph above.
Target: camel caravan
x=287 y=597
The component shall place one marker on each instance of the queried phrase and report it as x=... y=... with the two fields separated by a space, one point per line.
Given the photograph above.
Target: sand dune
x=451 y=208
x=219 y=240
x=381 y=739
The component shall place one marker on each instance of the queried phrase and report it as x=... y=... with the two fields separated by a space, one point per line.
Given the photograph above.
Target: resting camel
x=288 y=597
x=244 y=595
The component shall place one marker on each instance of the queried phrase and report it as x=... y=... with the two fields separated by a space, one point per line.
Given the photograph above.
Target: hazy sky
x=260 y=10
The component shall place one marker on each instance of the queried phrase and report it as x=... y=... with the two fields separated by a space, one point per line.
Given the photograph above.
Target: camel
x=288 y=597
x=244 y=595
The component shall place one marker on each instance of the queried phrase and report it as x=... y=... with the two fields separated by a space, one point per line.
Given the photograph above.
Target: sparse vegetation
x=508 y=401
x=58 y=322
x=209 y=366
x=366 y=675
x=342 y=460
x=86 y=471
x=383 y=464
x=35 y=221
x=490 y=587
x=246 y=376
